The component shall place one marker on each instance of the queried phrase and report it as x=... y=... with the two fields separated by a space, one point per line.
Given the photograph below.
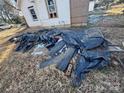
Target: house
x=91 y=5
x=52 y=13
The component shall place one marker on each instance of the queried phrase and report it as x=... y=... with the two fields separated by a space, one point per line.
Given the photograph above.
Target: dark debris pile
x=74 y=52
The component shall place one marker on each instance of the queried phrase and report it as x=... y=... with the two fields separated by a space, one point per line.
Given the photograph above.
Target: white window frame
x=52 y=13
x=32 y=7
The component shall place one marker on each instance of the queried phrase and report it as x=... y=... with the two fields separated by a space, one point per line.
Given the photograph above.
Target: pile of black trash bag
x=74 y=52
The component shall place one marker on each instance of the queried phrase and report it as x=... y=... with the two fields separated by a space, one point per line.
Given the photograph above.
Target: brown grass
x=7 y=47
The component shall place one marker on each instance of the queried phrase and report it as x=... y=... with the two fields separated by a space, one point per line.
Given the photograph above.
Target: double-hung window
x=51 y=6
x=33 y=14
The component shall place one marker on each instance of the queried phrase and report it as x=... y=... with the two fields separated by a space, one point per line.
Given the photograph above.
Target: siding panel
x=79 y=11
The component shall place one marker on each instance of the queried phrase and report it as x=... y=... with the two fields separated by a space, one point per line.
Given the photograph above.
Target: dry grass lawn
x=116 y=9
x=7 y=48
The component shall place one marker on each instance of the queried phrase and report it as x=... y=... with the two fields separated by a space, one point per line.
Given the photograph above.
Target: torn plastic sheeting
x=49 y=39
x=40 y=49
x=93 y=42
x=84 y=41
x=53 y=32
x=56 y=59
x=78 y=74
x=91 y=46
x=58 y=46
x=69 y=40
x=49 y=36
x=24 y=46
x=84 y=66
x=91 y=55
x=26 y=42
x=62 y=65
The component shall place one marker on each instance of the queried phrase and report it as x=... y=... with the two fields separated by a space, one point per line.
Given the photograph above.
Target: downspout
x=70 y=13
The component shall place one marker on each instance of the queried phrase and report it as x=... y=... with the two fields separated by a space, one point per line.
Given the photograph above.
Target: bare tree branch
x=11 y=5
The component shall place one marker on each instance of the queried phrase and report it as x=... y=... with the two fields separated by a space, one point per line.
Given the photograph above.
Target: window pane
x=34 y=16
x=32 y=11
x=55 y=15
x=52 y=8
x=51 y=15
x=50 y=2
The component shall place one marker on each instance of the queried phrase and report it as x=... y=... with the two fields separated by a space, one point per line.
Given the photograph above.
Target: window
x=32 y=11
x=51 y=5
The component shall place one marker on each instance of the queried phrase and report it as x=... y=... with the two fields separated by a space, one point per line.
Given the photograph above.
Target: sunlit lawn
x=116 y=10
x=6 y=47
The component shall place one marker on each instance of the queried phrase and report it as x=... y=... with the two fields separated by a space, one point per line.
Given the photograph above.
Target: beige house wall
x=79 y=11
